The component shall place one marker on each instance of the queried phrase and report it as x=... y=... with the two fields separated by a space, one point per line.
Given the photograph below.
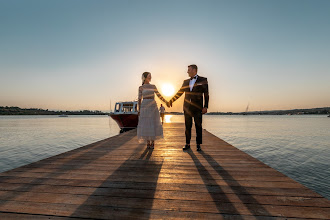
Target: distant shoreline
x=311 y=111
x=36 y=111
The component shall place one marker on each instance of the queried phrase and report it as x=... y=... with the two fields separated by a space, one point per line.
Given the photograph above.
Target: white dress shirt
x=192 y=82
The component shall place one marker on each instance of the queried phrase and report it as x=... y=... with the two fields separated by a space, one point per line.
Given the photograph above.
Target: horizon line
x=57 y=110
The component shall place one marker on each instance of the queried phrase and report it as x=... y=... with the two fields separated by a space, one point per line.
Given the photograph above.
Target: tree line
x=5 y=110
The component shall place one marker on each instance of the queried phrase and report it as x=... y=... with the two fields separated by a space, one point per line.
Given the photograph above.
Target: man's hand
x=204 y=110
x=169 y=104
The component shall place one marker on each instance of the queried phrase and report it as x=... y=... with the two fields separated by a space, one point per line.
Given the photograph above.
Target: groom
x=193 y=106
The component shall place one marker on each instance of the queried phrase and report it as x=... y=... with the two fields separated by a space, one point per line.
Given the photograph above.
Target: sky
x=79 y=54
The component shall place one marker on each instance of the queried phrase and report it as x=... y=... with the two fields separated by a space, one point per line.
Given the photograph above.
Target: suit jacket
x=193 y=100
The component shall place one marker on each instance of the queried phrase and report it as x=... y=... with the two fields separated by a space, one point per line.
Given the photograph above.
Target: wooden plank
x=112 y=193
x=74 y=188
x=9 y=215
x=119 y=178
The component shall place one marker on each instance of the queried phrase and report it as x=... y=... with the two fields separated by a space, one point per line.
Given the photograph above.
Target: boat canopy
x=125 y=107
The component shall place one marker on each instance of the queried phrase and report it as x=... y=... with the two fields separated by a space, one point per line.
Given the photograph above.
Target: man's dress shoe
x=186 y=147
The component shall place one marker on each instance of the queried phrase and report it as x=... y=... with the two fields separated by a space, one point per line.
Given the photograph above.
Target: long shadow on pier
x=241 y=192
x=68 y=162
x=128 y=193
x=223 y=204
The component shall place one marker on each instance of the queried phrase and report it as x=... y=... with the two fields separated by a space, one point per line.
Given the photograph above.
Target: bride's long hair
x=144 y=76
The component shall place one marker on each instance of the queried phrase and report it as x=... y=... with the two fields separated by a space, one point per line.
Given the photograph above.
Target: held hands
x=169 y=104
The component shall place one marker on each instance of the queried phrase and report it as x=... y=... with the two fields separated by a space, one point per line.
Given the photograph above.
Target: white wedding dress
x=149 y=126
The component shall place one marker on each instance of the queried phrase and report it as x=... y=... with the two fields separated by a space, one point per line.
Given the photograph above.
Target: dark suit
x=193 y=105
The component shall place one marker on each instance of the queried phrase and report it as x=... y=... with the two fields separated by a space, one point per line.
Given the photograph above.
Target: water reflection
x=25 y=139
x=167 y=118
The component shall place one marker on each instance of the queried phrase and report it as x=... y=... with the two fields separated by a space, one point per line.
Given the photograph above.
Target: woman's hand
x=169 y=104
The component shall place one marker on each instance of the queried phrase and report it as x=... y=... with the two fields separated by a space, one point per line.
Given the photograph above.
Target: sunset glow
x=65 y=57
x=168 y=90
x=167 y=118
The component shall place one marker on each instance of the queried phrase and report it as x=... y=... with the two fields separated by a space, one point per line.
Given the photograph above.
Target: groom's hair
x=193 y=66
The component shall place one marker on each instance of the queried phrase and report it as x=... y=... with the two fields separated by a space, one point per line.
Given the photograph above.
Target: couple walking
x=150 y=128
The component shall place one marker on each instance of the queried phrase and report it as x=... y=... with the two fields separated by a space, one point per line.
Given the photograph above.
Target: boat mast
x=247 y=108
x=110 y=106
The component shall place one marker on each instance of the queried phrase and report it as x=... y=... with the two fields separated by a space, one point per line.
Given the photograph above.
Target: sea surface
x=297 y=145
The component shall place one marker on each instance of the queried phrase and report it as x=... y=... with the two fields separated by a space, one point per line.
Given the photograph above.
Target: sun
x=168 y=90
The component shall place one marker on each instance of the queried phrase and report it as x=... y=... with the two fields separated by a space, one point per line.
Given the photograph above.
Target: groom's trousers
x=198 y=125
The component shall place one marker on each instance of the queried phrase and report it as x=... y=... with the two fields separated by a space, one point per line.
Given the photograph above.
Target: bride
x=149 y=127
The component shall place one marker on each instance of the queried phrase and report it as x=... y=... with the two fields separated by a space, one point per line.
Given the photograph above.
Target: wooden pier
x=118 y=178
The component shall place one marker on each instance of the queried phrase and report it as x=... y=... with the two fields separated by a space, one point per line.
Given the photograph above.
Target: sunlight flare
x=168 y=90
x=167 y=118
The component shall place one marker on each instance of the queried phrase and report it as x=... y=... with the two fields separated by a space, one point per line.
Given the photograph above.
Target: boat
x=126 y=115
x=63 y=115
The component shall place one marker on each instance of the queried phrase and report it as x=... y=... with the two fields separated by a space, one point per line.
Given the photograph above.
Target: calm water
x=25 y=139
x=298 y=146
